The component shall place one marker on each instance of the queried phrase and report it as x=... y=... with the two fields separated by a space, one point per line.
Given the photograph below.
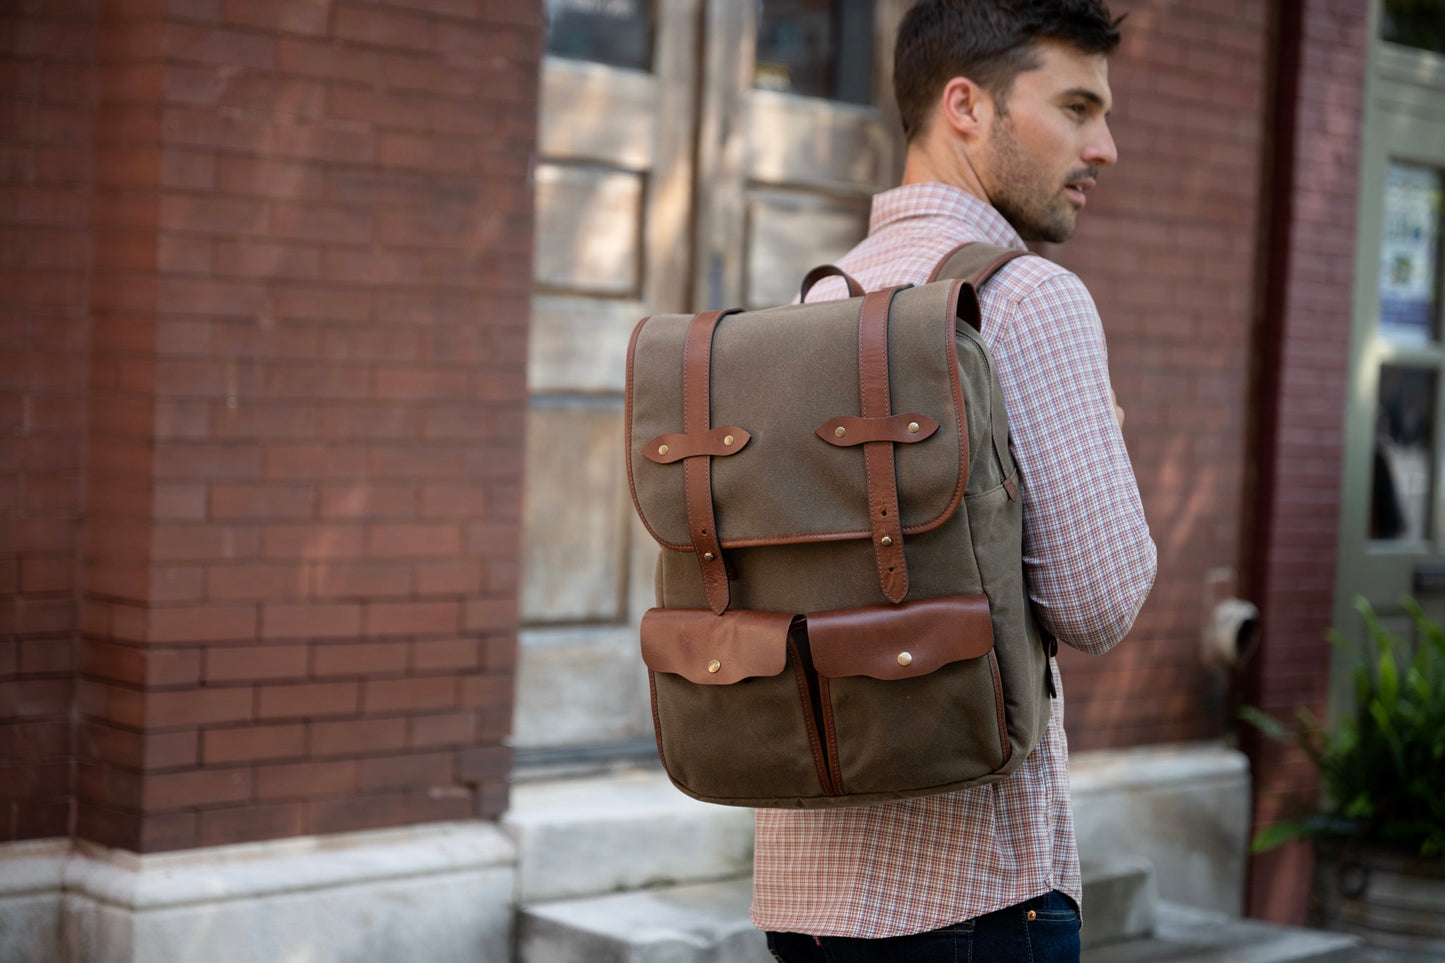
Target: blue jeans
x=1011 y=935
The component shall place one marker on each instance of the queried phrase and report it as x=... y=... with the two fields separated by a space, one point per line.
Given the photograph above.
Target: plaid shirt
x=916 y=865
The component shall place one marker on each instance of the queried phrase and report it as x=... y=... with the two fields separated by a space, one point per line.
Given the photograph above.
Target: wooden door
x=678 y=169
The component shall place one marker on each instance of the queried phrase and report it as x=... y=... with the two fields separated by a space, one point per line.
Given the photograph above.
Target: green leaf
x=1266 y=724
x=1277 y=835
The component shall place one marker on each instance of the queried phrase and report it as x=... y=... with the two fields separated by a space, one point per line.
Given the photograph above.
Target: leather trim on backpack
x=708 y=649
x=900 y=641
x=878 y=461
x=697 y=470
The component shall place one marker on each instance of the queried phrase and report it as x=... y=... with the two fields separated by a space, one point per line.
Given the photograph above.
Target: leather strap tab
x=846 y=431
x=855 y=290
x=886 y=525
x=722 y=441
x=697 y=469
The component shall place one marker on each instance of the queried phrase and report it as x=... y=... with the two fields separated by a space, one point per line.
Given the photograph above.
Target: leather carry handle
x=883 y=517
x=974 y=263
x=855 y=290
x=697 y=469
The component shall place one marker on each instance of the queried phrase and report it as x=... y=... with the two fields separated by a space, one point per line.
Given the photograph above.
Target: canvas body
x=799 y=682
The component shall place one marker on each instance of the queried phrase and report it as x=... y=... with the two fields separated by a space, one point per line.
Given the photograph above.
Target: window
x=613 y=32
x=816 y=48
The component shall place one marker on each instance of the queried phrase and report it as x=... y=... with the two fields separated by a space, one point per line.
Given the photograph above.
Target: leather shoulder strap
x=974 y=262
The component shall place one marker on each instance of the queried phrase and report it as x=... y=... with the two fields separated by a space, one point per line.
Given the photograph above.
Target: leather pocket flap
x=900 y=641
x=710 y=649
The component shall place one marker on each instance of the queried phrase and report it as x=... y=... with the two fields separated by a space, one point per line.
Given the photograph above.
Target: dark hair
x=988 y=41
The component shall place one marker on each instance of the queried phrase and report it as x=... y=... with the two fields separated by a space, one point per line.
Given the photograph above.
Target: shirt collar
x=933 y=199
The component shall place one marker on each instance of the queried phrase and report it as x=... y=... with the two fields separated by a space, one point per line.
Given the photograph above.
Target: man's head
x=1008 y=99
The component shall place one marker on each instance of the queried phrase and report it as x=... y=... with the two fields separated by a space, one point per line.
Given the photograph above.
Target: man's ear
x=966 y=108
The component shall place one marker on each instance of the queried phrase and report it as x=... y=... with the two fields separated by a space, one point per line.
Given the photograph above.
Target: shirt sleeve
x=1088 y=555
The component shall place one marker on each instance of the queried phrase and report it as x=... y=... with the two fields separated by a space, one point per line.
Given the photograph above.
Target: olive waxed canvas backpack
x=842 y=616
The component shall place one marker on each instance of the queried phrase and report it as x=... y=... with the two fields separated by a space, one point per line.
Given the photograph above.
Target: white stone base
x=1185 y=808
x=437 y=892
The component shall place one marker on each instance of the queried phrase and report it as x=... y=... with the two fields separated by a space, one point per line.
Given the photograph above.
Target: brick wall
x=46 y=118
x=311 y=228
x=1168 y=247
x=1316 y=180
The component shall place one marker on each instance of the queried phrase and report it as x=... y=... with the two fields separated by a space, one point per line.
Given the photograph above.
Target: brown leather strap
x=697 y=469
x=722 y=441
x=855 y=290
x=883 y=515
x=958 y=263
x=846 y=431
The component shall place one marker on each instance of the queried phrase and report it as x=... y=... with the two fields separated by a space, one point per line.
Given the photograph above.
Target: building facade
x=313 y=313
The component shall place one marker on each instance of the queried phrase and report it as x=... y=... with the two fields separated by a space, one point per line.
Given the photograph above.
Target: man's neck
x=925 y=166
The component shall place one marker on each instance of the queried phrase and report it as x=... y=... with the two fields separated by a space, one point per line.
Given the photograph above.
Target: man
x=1003 y=104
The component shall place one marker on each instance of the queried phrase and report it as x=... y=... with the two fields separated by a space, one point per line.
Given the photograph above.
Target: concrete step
x=1120 y=901
x=708 y=923
x=1187 y=935
x=622 y=831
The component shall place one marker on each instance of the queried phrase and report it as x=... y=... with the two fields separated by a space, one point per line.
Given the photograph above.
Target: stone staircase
x=622 y=868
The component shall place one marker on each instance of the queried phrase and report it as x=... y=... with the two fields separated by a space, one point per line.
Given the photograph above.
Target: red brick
x=261 y=501
x=352 y=736
x=400 y=695
x=452 y=728
x=252 y=743
x=413 y=541
x=359 y=659
x=448 y=578
x=485 y=691
x=439 y=654
x=488 y=615
x=200 y=787
x=310 y=620
x=383 y=28
x=272 y=581
x=411 y=618
x=484 y=762
x=201 y=623
x=367 y=501
x=415 y=770
x=218 y=827
x=315 y=461
x=454 y=501
x=306 y=779
x=358 y=812
x=308 y=701
x=312 y=541
x=255 y=662
x=194 y=707
x=362 y=580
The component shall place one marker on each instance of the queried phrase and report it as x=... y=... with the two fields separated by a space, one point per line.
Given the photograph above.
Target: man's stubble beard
x=1037 y=209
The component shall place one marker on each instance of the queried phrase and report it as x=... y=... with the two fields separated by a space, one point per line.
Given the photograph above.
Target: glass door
x=1392 y=526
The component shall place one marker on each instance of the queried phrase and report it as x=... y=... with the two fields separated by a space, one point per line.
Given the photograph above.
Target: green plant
x=1382 y=765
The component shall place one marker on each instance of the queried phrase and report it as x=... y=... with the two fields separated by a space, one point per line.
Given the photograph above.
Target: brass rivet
x=662 y=449
x=714 y=665
x=905 y=658
x=913 y=427
x=707 y=556
x=885 y=540
x=727 y=439
x=1033 y=916
x=840 y=431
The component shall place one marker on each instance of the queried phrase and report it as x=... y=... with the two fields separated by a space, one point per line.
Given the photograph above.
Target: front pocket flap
x=713 y=649
x=900 y=641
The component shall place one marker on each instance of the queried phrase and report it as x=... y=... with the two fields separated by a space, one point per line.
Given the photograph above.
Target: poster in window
x=1409 y=254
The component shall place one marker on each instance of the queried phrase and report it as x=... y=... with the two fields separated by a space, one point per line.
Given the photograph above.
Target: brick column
x=46 y=115
x=1320 y=107
x=313 y=240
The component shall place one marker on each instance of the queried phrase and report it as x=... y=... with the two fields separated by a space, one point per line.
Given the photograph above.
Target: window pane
x=816 y=48
x=1404 y=435
x=1414 y=23
x=614 y=32
x=1410 y=255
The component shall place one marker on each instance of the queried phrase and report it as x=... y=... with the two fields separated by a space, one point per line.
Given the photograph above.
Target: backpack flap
x=708 y=649
x=782 y=380
x=900 y=642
